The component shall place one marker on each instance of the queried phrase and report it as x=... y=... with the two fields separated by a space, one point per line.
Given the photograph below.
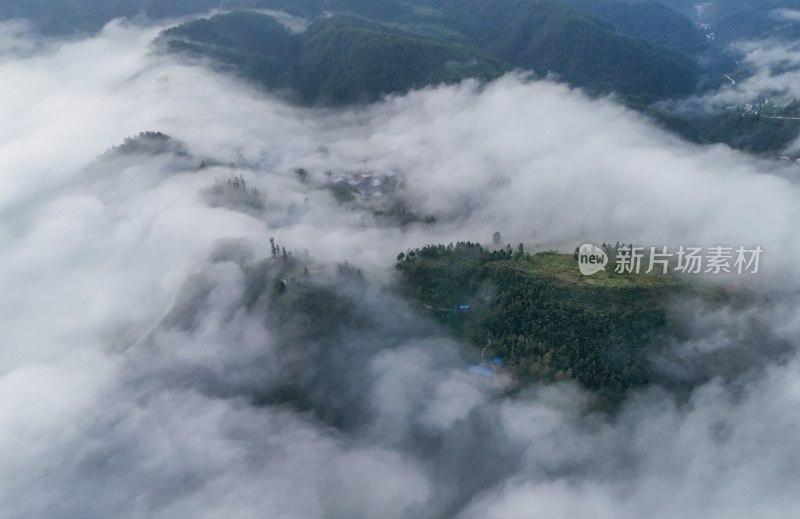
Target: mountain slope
x=340 y=59
x=544 y=319
x=548 y=36
x=74 y=16
x=649 y=20
x=345 y=58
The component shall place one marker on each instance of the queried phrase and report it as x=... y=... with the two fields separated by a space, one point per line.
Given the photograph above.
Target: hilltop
x=544 y=319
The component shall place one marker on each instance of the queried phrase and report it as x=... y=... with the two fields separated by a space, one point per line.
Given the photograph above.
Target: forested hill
x=86 y=16
x=651 y=21
x=544 y=319
x=381 y=46
x=338 y=60
x=733 y=20
x=348 y=57
x=551 y=36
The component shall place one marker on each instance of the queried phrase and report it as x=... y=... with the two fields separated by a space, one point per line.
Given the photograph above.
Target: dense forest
x=542 y=317
x=351 y=56
x=338 y=60
x=741 y=19
x=77 y=16
x=586 y=51
x=759 y=134
x=751 y=133
x=651 y=21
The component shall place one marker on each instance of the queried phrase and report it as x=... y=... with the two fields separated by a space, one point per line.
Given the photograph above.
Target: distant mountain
x=373 y=47
x=74 y=16
x=360 y=49
x=736 y=20
x=651 y=21
x=340 y=59
x=667 y=23
x=732 y=20
x=343 y=59
x=255 y=45
x=584 y=50
x=349 y=57
x=375 y=9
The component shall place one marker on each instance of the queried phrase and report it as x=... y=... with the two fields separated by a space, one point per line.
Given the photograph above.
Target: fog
x=146 y=372
x=792 y=15
x=767 y=70
x=772 y=69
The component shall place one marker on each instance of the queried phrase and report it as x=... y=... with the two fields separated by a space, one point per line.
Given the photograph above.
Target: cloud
x=293 y=23
x=792 y=15
x=146 y=372
x=502 y=158
x=767 y=70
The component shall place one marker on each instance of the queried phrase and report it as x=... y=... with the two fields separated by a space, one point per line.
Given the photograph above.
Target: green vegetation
x=367 y=49
x=741 y=19
x=373 y=47
x=74 y=16
x=550 y=36
x=338 y=60
x=766 y=133
x=750 y=133
x=375 y=9
x=148 y=143
x=651 y=21
x=745 y=19
x=345 y=59
x=254 y=45
x=545 y=319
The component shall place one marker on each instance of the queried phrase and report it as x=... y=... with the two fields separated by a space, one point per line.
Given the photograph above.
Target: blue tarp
x=497 y=361
x=478 y=369
x=463 y=307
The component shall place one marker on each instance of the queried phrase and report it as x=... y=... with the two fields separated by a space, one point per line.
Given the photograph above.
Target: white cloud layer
x=105 y=410
x=772 y=69
x=792 y=15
